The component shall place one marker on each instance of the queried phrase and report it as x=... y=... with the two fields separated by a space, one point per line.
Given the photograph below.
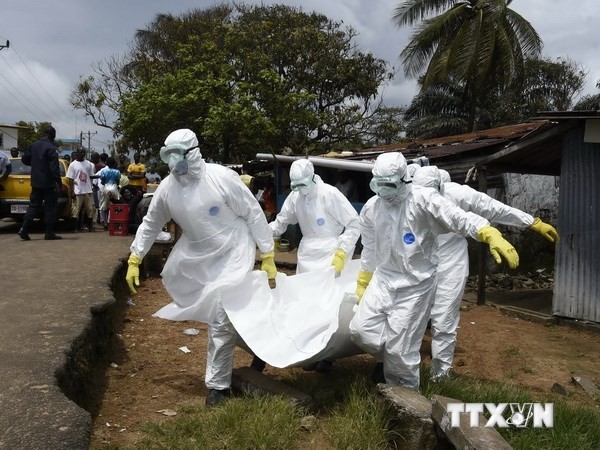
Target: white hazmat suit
x=453 y=266
x=328 y=221
x=399 y=228
x=222 y=223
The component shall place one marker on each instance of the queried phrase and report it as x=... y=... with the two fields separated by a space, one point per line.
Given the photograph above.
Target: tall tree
x=247 y=79
x=481 y=44
x=589 y=102
x=441 y=109
x=34 y=132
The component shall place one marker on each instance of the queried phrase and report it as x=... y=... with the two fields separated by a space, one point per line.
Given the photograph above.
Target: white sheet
x=304 y=319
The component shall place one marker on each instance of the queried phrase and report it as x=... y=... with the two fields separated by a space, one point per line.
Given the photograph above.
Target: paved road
x=51 y=295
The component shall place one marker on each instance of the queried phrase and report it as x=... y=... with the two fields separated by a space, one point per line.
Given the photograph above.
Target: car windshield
x=18 y=168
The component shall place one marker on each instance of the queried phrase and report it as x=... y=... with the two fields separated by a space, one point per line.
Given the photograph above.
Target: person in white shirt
x=81 y=173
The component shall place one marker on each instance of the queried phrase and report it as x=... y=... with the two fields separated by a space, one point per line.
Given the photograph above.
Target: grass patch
x=265 y=422
x=351 y=416
x=574 y=427
x=361 y=421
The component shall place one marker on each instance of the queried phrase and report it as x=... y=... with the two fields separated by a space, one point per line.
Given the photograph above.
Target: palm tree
x=481 y=44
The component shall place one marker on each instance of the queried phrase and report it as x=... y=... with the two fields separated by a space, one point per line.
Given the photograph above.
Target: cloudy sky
x=52 y=44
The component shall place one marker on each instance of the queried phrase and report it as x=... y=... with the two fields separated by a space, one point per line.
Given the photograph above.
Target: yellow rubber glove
x=499 y=246
x=362 y=282
x=133 y=272
x=339 y=258
x=268 y=264
x=546 y=230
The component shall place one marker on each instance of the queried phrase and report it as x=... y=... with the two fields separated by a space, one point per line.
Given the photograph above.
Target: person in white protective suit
x=222 y=223
x=453 y=265
x=397 y=280
x=328 y=221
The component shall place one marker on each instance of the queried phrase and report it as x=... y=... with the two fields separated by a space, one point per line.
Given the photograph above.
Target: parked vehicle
x=16 y=189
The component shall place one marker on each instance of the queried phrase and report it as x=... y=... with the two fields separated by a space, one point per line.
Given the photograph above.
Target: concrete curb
x=57 y=317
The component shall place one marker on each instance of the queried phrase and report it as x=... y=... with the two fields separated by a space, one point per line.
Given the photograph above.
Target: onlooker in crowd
x=96 y=185
x=124 y=179
x=268 y=201
x=248 y=180
x=109 y=178
x=14 y=152
x=5 y=168
x=136 y=173
x=81 y=172
x=42 y=156
x=104 y=157
x=347 y=186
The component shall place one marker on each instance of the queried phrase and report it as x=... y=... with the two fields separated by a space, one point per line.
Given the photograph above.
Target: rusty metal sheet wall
x=577 y=266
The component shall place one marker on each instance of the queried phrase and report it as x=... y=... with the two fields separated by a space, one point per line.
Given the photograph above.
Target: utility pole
x=89 y=136
x=5 y=46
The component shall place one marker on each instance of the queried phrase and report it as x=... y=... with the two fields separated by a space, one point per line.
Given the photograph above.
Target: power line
x=24 y=96
x=38 y=82
x=17 y=99
x=30 y=89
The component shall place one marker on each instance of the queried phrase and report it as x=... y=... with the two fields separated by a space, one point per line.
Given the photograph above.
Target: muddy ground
x=150 y=373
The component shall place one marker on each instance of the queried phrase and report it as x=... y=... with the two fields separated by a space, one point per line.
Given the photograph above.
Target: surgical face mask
x=175 y=156
x=303 y=186
x=388 y=187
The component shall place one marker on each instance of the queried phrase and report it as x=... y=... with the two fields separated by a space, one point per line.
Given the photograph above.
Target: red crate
x=118 y=212
x=117 y=228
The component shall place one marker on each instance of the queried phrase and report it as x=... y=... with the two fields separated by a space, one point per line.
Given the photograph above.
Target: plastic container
x=117 y=228
x=118 y=212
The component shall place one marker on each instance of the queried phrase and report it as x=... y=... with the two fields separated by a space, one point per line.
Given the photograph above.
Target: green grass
x=350 y=416
x=241 y=423
x=361 y=421
x=574 y=427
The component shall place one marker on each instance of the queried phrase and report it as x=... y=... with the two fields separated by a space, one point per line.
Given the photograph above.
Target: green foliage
x=445 y=109
x=479 y=44
x=34 y=132
x=246 y=79
x=589 y=102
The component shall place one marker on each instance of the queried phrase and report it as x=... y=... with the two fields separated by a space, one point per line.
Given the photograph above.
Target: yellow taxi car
x=16 y=189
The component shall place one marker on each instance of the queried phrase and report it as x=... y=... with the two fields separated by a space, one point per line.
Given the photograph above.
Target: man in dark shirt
x=42 y=156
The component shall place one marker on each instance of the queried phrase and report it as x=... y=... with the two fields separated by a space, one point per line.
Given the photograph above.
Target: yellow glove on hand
x=133 y=272
x=499 y=246
x=546 y=230
x=268 y=264
x=362 y=282
x=339 y=258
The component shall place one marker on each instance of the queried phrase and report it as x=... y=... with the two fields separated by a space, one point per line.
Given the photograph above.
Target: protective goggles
x=306 y=182
x=166 y=153
x=387 y=186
